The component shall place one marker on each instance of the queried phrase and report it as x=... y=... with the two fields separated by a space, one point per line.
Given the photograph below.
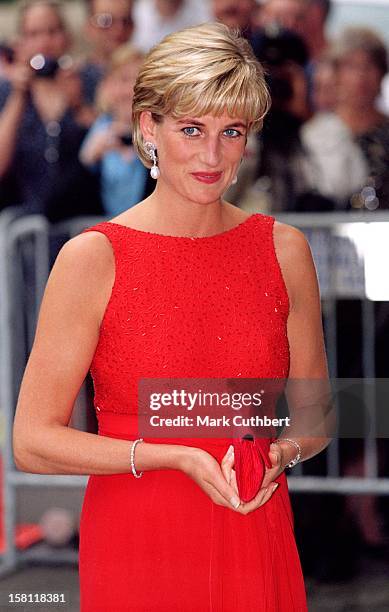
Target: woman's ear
x=147 y=126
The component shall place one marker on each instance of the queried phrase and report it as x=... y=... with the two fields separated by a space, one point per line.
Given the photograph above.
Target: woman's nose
x=211 y=153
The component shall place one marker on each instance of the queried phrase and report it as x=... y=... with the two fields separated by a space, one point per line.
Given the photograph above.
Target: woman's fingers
x=227 y=468
x=226 y=490
x=270 y=491
x=216 y=496
x=275 y=455
x=261 y=498
x=233 y=481
x=227 y=463
x=270 y=475
x=221 y=486
x=206 y=471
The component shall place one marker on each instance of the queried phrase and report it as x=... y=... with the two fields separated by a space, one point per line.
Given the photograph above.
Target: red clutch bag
x=251 y=458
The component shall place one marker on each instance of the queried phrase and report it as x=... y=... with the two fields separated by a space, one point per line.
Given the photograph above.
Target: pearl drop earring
x=235 y=179
x=150 y=150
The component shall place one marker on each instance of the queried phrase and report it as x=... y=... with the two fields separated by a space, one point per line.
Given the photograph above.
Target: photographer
x=43 y=120
x=284 y=55
x=108 y=149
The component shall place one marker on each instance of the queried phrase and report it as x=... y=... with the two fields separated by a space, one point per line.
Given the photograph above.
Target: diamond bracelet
x=132 y=458
x=297 y=446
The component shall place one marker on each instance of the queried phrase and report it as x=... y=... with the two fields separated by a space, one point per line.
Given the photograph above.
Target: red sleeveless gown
x=206 y=307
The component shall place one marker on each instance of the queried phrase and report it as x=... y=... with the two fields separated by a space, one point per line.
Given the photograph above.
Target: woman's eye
x=235 y=134
x=189 y=128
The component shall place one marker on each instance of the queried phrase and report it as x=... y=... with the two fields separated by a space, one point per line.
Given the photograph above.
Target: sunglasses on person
x=104 y=21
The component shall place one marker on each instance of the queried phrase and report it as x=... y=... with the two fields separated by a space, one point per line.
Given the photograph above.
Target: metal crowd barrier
x=28 y=245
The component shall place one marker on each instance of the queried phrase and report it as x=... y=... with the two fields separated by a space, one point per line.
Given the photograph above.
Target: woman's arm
x=100 y=139
x=310 y=393
x=12 y=113
x=67 y=333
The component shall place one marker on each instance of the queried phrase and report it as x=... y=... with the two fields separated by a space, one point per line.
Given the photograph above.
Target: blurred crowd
x=65 y=117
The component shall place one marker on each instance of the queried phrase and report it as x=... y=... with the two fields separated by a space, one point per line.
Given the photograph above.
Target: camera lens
x=43 y=66
x=126 y=139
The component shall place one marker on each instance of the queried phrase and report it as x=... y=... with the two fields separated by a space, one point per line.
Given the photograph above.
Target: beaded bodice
x=182 y=307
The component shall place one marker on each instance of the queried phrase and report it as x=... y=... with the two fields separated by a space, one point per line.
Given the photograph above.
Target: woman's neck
x=176 y=215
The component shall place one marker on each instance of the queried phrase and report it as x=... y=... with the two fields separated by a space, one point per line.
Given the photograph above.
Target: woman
x=107 y=149
x=191 y=288
x=348 y=149
x=43 y=121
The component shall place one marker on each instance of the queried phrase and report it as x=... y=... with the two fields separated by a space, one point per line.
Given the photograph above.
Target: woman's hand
x=268 y=486
x=219 y=481
x=98 y=145
x=205 y=470
x=20 y=77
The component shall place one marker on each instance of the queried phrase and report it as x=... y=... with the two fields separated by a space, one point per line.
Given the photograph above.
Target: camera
x=126 y=139
x=275 y=47
x=44 y=66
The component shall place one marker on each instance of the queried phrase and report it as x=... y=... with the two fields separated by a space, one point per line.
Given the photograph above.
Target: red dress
x=203 y=307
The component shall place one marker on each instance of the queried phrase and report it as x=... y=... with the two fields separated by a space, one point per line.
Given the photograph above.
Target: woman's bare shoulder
x=295 y=258
x=289 y=239
x=85 y=269
x=88 y=248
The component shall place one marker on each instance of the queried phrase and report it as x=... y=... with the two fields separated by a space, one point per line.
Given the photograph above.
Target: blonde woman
x=182 y=285
x=107 y=148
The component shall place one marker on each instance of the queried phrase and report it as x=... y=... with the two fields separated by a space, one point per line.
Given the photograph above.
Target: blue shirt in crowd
x=123 y=182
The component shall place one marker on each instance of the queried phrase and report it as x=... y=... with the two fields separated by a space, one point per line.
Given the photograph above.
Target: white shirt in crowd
x=383 y=102
x=151 y=27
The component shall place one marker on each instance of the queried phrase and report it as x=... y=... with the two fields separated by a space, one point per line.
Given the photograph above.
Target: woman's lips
x=207 y=177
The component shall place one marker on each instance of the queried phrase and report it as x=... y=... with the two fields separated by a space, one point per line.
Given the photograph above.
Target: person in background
x=43 y=120
x=361 y=63
x=286 y=14
x=280 y=179
x=307 y=19
x=108 y=149
x=154 y=19
x=109 y=25
x=314 y=32
x=356 y=176
x=235 y=14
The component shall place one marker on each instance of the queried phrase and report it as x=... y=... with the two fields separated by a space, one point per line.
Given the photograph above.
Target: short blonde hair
x=201 y=70
x=122 y=56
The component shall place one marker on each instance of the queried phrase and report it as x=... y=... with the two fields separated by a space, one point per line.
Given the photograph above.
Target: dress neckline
x=228 y=232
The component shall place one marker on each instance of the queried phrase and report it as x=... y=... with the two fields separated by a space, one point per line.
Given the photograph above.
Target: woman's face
x=111 y=24
x=359 y=79
x=42 y=32
x=198 y=157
